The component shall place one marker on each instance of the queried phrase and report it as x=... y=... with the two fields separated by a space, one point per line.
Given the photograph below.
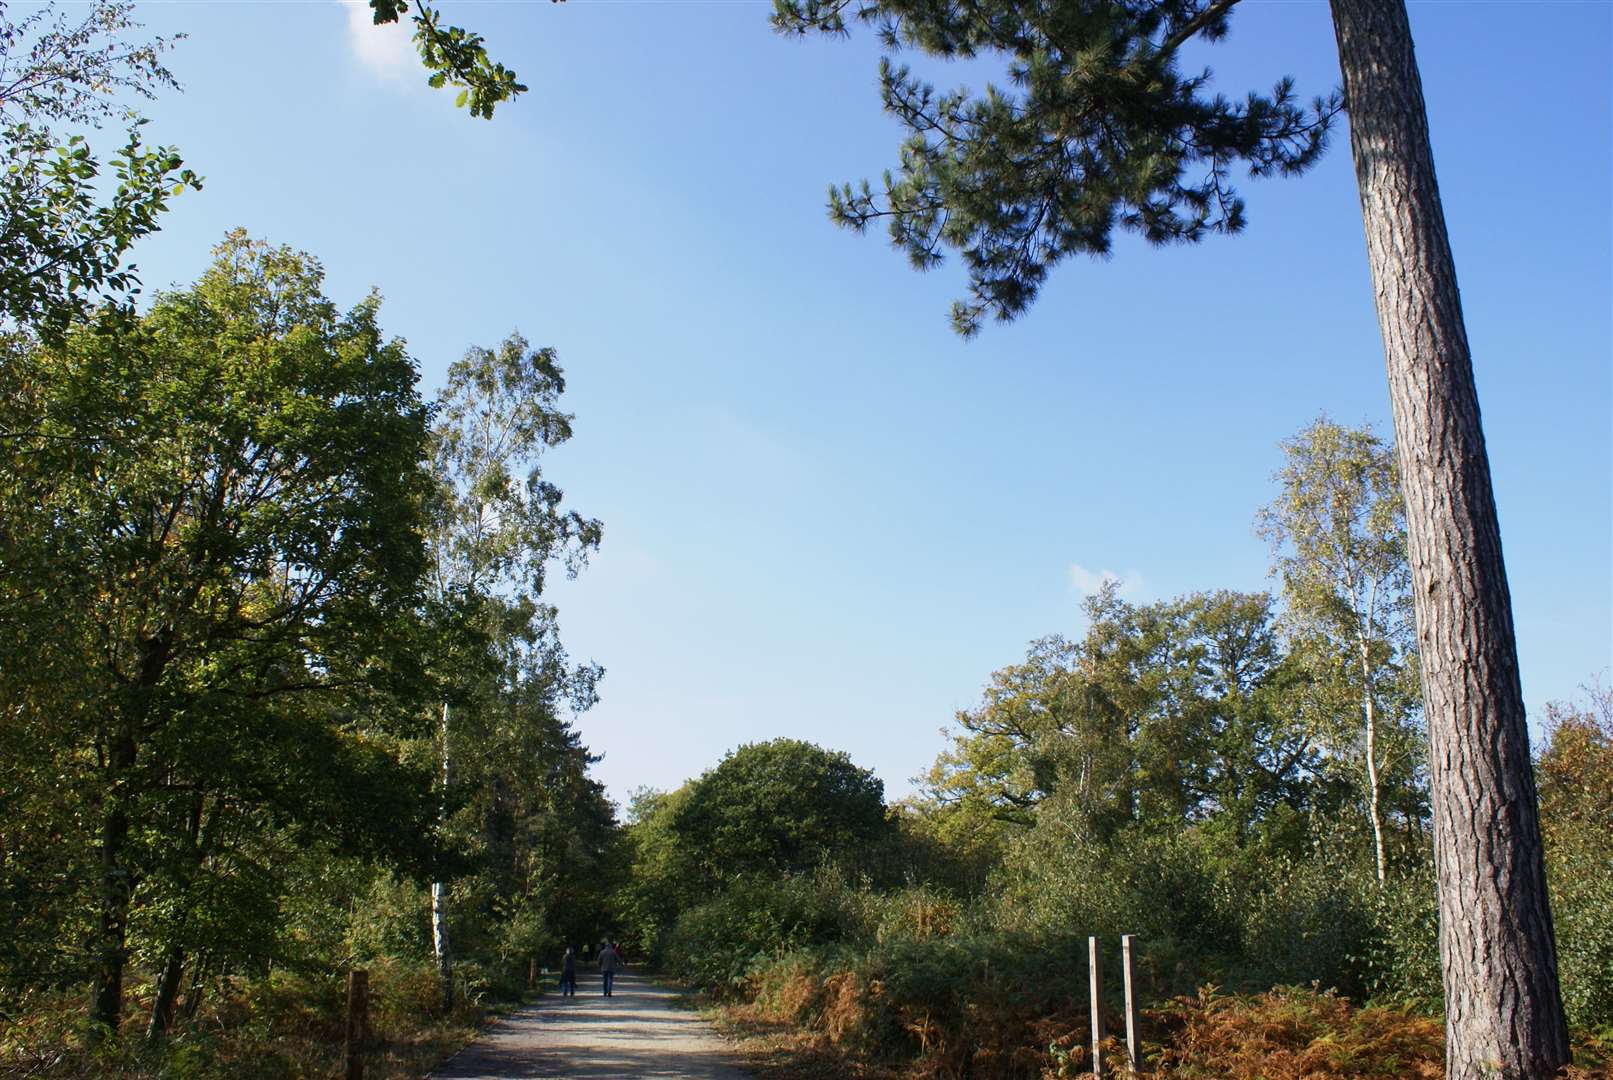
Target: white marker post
x=1096 y=978
x=1134 y=1050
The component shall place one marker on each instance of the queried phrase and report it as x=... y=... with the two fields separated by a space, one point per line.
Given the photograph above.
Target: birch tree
x=498 y=524
x=1338 y=536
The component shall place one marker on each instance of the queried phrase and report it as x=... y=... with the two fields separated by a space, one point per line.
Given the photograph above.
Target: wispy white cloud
x=1131 y=584
x=385 y=50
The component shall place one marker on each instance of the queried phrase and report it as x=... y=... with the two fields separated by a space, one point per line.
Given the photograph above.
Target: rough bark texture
x=1504 y=1016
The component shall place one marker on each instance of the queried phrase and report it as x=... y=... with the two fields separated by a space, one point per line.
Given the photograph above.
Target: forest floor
x=638 y=1031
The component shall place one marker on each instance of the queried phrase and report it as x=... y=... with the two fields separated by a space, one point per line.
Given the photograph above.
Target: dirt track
x=634 y=1032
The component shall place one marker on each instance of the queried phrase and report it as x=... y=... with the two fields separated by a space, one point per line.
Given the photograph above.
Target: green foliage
x=718 y=944
x=663 y=879
x=1097 y=127
x=497 y=522
x=781 y=806
x=1575 y=771
x=1400 y=963
x=286 y=1026
x=62 y=245
x=1338 y=537
x=1312 y=919
x=1165 y=712
x=515 y=795
x=218 y=599
x=215 y=547
x=455 y=57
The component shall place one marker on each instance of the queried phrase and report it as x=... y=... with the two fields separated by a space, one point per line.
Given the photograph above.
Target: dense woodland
x=282 y=697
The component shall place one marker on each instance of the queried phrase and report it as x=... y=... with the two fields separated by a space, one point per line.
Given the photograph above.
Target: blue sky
x=826 y=516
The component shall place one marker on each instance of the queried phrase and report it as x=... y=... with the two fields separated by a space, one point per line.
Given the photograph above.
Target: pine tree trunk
x=1504 y=1017
x=439 y=893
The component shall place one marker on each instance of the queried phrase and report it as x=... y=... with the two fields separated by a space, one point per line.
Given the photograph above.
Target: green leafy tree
x=497 y=523
x=1576 y=807
x=213 y=559
x=782 y=806
x=62 y=245
x=538 y=830
x=1099 y=128
x=1163 y=715
x=663 y=879
x=999 y=765
x=1338 y=535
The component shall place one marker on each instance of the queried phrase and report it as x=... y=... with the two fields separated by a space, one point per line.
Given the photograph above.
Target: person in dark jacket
x=568 y=973
x=609 y=962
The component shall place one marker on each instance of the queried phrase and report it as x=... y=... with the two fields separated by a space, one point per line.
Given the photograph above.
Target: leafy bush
x=755 y=920
x=1312 y=921
x=1177 y=892
x=1582 y=906
x=1575 y=771
x=1400 y=965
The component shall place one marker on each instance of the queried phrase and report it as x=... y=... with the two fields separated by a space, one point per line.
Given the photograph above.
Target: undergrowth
x=285 y=1027
x=800 y=1022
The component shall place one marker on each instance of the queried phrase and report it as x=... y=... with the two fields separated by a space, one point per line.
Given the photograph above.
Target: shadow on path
x=634 y=1032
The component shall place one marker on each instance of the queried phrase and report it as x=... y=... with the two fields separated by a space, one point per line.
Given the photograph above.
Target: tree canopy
x=62 y=245
x=215 y=515
x=1097 y=126
x=779 y=806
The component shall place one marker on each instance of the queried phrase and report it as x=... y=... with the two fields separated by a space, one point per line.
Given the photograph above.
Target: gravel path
x=634 y=1032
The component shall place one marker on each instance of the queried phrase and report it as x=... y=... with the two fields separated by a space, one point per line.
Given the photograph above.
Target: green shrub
x=718 y=944
x=1400 y=964
x=1174 y=891
x=1311 y=921
x=1578 y=869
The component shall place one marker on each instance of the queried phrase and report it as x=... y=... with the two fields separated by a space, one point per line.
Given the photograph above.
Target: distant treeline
x=1236 y=778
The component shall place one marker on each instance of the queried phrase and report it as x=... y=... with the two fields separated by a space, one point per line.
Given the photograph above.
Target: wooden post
x=358 y=1022
x=532 y=973
x=1096 y=980
x=1134 y=1050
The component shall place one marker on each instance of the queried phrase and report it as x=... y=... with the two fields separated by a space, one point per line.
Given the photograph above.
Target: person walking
x=568 y=973
x=609 y=962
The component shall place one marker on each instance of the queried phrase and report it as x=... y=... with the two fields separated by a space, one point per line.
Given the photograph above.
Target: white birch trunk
x=439 y=891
